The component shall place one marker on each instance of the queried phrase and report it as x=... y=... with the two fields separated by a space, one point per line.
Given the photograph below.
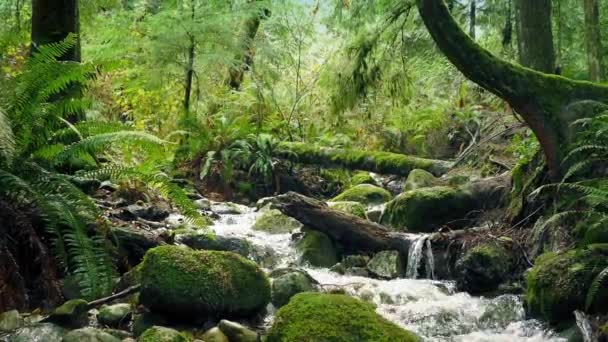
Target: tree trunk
x=189 y=74
x=246 y=52
x=593 y=40
x=544 y=101
x=472 y=19
x=536 y=35
x=52 y=21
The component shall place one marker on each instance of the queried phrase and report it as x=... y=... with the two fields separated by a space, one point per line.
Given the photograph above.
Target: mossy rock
x=318 y=317
x=483 y=268
x=362 y=178
x=145 y=321
x=275 y=222
x=366 y=194
x=418 y=179
x=386 y=264
x=289 y=282
x=89 y=335
x=115 y=315
x=162 y=334
x=215 y=335
x=558 y=284
x=237 y=332
x=353 y=208
x=317 y=249
x=423 y=210
x=46 y=332
x=11 y=320
x=71 y=314
x=597 y=233
x=181 y=282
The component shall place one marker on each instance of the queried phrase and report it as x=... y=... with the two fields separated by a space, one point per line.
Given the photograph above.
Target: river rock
x=45 y=332
x=374 y=213
x=143 y=210
x=145 y=321
x=353 y=208
x=227 y=208
x=366 y=194
x=215 y=335
x=162 y=334
x=318 y=316
x=483 y=268
x=559 y=283
x=182 y=282
x=362 y=178
x=289 y=282
x=10 y=320
x=205 y=241
x=418 y=179
x=266 y=203
x=386 y=264
x=115 y=315
x=554 y=236
x=89 y=335
x=275 y=222
x=237 y=332
x=317 y=249
x=71 y=314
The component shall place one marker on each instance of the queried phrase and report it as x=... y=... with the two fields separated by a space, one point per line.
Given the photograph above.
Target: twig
x=121 y=294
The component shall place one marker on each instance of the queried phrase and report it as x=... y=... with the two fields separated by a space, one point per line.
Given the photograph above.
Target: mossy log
x=379 y=162
x=547 y=103
x=354 y=233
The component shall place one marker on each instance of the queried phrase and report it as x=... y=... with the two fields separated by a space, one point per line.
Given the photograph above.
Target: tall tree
x=549 y=104
x=53 y=21
x=535 y=43
x=593 y=40
x=472 y=18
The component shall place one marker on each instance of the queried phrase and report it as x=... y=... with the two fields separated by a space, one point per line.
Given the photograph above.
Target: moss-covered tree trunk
x=53 y=21
x=548 y=103
x=536 y=35
x=593 y=40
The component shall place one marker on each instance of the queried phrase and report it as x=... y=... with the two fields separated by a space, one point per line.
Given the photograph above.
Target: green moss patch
x=365 y=194
x=353 y=208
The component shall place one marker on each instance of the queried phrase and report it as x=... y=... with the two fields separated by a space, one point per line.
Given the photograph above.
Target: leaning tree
x=549 y=104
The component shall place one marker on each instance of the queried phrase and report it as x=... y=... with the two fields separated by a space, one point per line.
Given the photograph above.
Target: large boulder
x=315 y=317
x=275 y=222
x=89 y=335
x=45 y=332
x=181 y=282
x=418 y=179
x=353 y=208
x=317 y=249
x=483 y=268
x=386 y=264
x=288 y=282
x=559 y=283
x=71 y=314
x=115 y=315
x=205 y=241
x=366 y=194
x=162 y=334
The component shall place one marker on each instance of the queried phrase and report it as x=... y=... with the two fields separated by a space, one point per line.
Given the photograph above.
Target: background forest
x=116 y=115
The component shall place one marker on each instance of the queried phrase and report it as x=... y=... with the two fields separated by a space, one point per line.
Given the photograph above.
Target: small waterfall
x=585 y=327
x=414 y=257
x=430 y=261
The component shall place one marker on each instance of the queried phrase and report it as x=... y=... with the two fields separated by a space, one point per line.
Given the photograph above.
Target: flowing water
x=432 y=309
x=584 y=326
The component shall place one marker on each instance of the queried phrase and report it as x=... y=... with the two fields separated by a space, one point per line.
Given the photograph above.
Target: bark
x=246 y=51
x=354 y=233
x=472 y=19
x=536 y=35
x=52 y=21
x=593 y=40
x=542 y=100
x=190 y=67
x=378 y=162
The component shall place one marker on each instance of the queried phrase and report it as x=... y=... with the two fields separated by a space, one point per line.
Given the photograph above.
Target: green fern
x=598 y=283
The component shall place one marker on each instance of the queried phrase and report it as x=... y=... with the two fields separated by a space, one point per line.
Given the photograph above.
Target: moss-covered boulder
x=423 y=210
x=288 y=282
x=386 y=264
x=71 y=314
x=162 y=334
x=275 y=222
x=418 y=179
x=559 y=283
x=483 y=268
x=366 y=194
x=115 y=315
x=317 y=317
x=362 y=178
x=353 y=208
x=237 y=332
x=89 y=335
x=215 y=335
x=145 y=321
x=317 y=249
x=10 y=320
x=181 y=282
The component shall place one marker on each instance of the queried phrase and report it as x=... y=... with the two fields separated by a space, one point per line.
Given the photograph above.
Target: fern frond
x=7 y=139
x=598 y=282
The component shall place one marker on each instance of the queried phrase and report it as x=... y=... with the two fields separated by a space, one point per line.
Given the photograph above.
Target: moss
x=362 y=178
x=317 y=249
x=424 y=209
x=353 y=208
x=379 y=162
x=275 y=222
x=364 y=193
x=418 y=179
x=558 y=283
x=162 y=334
x=72 y=313
x=316 y=317
x=483 y=268
x=179 y=281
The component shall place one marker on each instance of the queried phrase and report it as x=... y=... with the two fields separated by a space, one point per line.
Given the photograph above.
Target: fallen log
x=354 y=233
x=379 y=162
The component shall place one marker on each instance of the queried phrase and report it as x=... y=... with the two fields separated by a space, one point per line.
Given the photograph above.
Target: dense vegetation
x=117 y=116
